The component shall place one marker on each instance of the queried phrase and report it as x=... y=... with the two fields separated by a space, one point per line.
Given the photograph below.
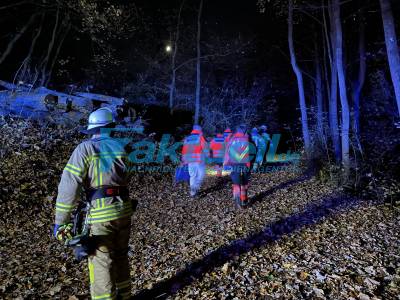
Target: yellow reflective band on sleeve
x=62 y=207
x=63 y=210
x=74 y=167
x=72 y=171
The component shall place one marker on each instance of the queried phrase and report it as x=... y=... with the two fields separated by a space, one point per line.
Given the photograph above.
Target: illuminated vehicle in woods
x=44 y=104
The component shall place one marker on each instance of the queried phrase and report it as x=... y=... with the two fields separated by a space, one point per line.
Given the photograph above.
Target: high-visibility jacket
x=227 y=136
x=195 y=148
x=94 y=163
x=217 y=147
x=238 y=150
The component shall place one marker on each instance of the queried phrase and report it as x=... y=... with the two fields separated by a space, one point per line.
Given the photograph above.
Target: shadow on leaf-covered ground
x=311 y=214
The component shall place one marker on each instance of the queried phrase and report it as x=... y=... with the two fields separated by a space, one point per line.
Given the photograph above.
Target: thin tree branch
x=16 y=38
x=14 y=4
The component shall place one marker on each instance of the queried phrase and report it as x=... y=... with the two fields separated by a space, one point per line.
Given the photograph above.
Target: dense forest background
x=325 y=74
x=315 y=70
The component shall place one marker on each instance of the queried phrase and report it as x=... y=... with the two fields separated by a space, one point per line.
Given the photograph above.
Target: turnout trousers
x=109 y=269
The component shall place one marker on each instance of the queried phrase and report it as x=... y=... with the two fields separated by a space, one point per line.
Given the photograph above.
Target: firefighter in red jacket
x=238 y=156
x=195 y=151
x=217 y=147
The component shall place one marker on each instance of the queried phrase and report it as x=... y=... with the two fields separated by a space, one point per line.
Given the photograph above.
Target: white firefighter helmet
x=100 y=118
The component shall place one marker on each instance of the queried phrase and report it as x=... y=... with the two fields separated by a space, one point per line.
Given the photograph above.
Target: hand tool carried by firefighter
x=81 y=242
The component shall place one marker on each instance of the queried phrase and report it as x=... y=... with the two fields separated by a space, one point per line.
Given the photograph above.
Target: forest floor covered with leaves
x=299 y=238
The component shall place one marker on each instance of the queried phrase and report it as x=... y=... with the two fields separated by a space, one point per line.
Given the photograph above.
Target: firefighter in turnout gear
x=195 y=151
x=217 y=147
x=99 y=166
x=239 y=155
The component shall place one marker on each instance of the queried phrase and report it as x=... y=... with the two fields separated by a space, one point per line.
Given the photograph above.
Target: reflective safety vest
x=95 y=163
x=217 y=147
x=238 y=150
x=227 y=135
x=195 y=148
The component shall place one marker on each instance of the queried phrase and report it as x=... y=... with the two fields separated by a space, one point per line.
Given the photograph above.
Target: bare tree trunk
x=49 y=50
x=391 y=47
x=319 y=93
x=325 y=73
x=333 y=112
x=198 y=67
x=57 y=54
x=172 y=87
x=27 y=59
x=342 y=86
x=359 y=83
x=300 y=83
x=11 y=44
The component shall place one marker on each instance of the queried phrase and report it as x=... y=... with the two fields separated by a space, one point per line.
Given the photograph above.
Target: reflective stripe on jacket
x=94 y=163
x=217 y=147
x=195 y=148
x=227 y=136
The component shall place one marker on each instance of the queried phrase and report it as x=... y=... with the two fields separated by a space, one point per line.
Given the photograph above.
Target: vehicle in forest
x=43 y=104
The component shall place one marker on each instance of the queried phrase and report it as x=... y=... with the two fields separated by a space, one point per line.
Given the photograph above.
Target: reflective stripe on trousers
x=109 y=269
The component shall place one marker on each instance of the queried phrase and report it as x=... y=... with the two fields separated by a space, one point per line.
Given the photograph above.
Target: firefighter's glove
x=63 y=233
